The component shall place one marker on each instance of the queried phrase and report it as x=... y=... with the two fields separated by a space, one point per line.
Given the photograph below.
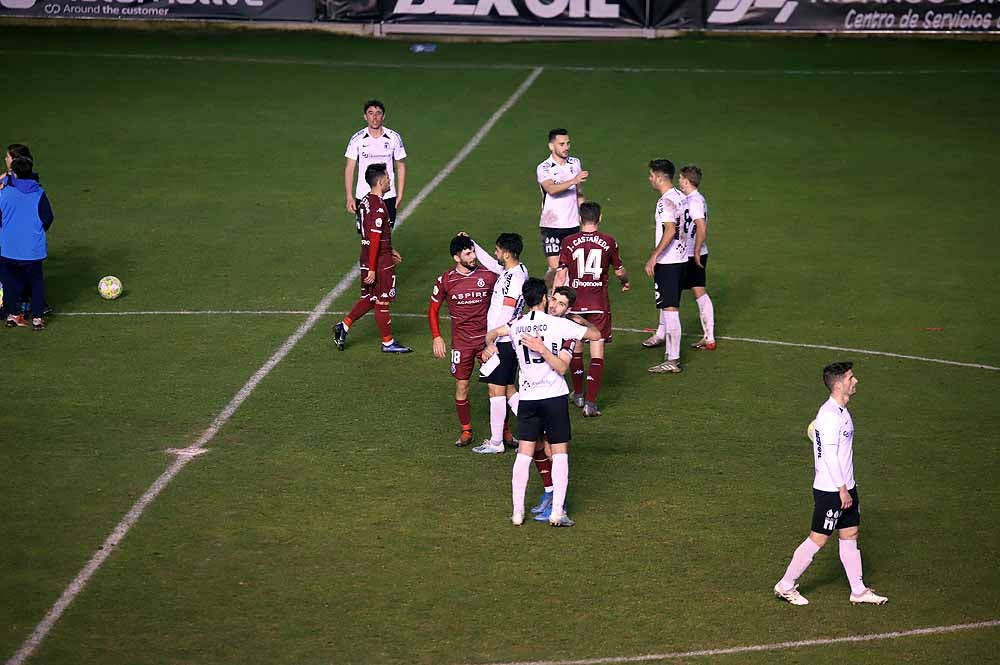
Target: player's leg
x=706 y=310
x=543 y=464
x=14 y=285
x=666 y=278
x=529 y=425
x=557 y=429
x=577 y=376
x=386 y=290
x=551 y=244
x=826 y=512
x=363 y=305
x=595 y=371
x=462 y=407
x=497 y=384
x=850 y=554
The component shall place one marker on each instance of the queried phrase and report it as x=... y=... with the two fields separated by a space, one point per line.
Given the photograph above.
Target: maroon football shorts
x=384 y=287
x=601 y=321
x=463 y=361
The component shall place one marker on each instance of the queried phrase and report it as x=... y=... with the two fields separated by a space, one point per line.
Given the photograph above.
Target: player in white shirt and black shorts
x=373 y=145
x=695 y=221
x=667 y=262
x=506 y=303
x=836 y=504
x=543 y=345
x=560 y=178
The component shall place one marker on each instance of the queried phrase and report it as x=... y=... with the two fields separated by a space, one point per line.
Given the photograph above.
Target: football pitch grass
x=852 y=204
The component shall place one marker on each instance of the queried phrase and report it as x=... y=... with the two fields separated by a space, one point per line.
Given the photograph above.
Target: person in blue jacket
x=25 y=217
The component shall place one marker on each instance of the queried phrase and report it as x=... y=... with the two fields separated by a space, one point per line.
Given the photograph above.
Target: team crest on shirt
x=481 y=283
x=386 y=145
x=378 y=223
x=392 y=292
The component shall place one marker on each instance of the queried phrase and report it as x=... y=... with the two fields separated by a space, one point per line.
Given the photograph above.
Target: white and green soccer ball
x=109 y=287
x=811 y=432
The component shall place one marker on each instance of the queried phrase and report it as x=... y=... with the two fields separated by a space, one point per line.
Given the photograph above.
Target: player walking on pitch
x=505 y=304
x=835 y=496
x=466 y=288
x=666 y=263
x=561 y=178
x=583 y=265
x=378 y=265
x=544 y=346
x=375 y=144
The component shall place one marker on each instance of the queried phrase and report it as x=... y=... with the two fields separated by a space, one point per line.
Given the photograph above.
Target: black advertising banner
x=572 y=13
x=676 y=14
x=869 y=16
x=268 y=10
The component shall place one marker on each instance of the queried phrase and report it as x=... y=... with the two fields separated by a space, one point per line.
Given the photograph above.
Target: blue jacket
x=25 y=216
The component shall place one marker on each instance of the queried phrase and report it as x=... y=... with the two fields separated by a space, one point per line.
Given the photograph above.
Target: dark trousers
x=16 y=277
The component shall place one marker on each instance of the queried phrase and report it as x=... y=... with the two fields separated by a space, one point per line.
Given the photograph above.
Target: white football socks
x=672 y=323
x=560 y=481
x=498 y=415
x=519 y=480
x=850 y=557
x=706 y=312
x=803 y=556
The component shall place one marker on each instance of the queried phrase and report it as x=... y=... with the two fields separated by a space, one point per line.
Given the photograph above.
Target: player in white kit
x=695 y=221
x=560 y=178
x=375 y=144
x=667 y=262
x=835 y=494
x=543 y=345
x=506 y=303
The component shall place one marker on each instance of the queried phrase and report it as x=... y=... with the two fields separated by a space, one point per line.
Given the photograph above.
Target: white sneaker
x=667 y=367
x=489 y=448
x=792 y=595
x=653 y=341
x=870 y=597
x=517 y=519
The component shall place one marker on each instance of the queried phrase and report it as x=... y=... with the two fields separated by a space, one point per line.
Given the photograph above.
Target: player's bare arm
x=557 y=362
x=400 y=180
x=561 y=277
x=439 y=347
x=623 y=278
x=352 y=206
x=552 y=187
x=491 y=340
x=669 y=231
x=700 y=231
x=397 y=258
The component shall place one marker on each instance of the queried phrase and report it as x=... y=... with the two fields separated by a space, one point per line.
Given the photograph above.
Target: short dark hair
x=663 y=166
x=534 y=290
x=693 y=173
x=460 y=243
x=376 y=103
x=567 y=291
x=834 y=371
x=22 y=167
x=19 y=150
x=590 y=211
x=558 y=131
x=511 y=242
x=374 y=172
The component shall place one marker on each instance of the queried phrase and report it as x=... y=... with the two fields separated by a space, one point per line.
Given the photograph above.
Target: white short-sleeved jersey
x=559 y=211
x=833 y=448
x=669 y=209
x=366 y=149
x=695 y=207
x=506 y=292
x=537 y=379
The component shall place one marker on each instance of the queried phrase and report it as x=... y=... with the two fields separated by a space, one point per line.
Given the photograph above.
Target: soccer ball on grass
x=109 y=287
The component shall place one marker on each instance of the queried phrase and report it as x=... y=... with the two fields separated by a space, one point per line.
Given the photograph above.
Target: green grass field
x=852 y=194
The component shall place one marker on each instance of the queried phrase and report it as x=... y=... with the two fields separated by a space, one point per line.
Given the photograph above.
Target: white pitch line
x=185 y=455
x=622 y=69
x=936 y=630
x=750 y=340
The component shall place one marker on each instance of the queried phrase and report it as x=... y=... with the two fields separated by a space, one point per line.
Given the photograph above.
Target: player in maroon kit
x=466 y=288
x=583 y=265
x=378 y=265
